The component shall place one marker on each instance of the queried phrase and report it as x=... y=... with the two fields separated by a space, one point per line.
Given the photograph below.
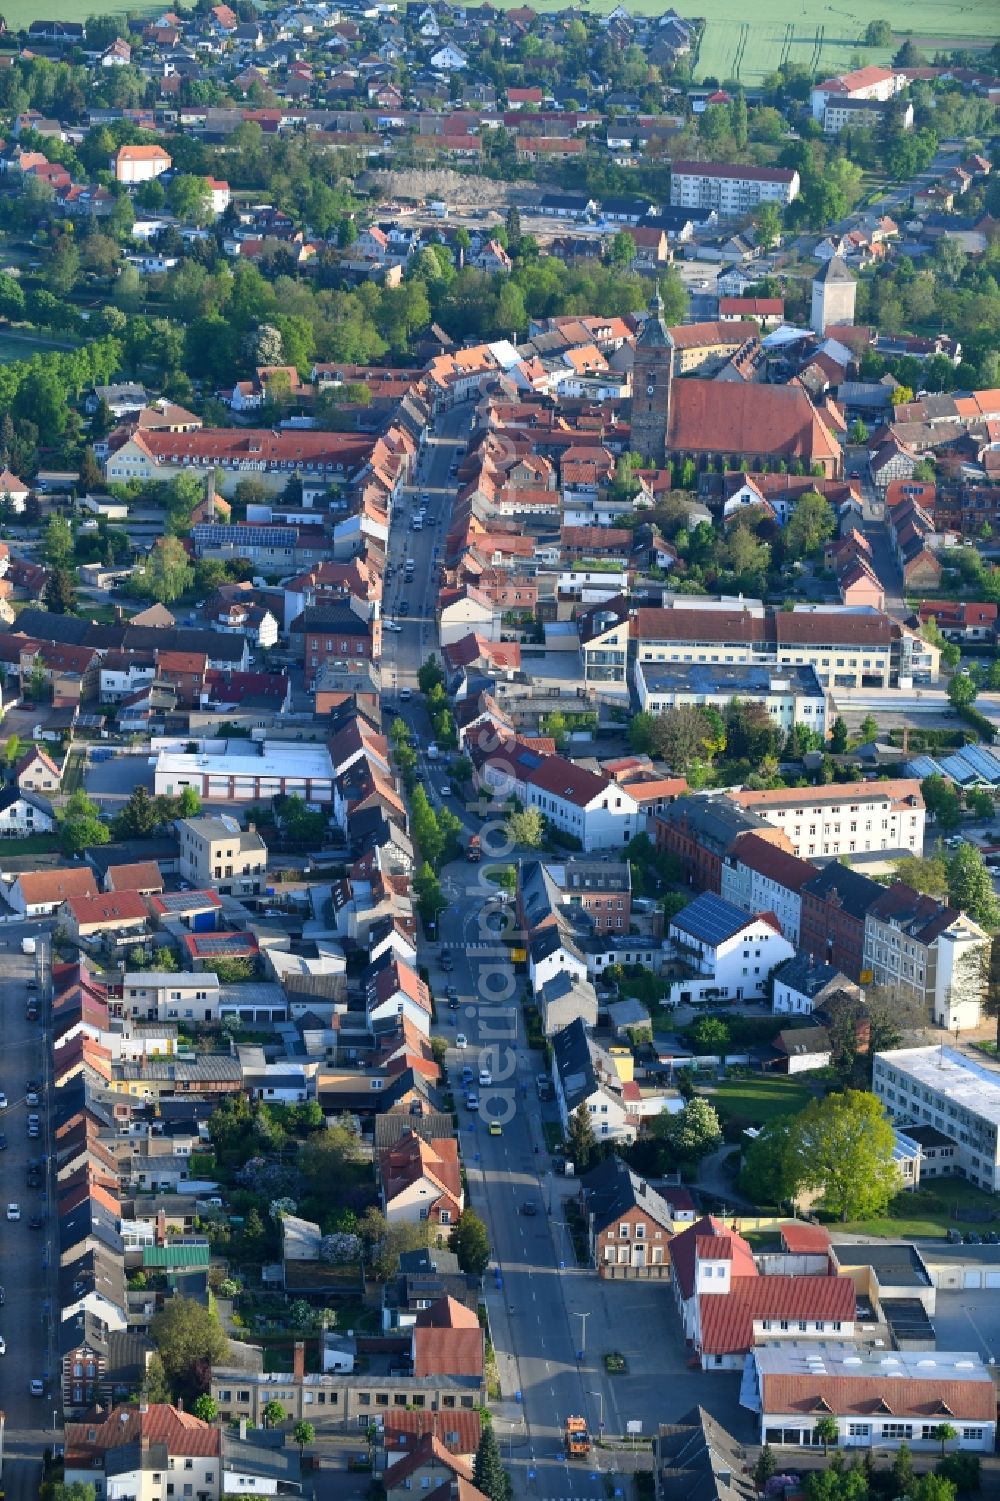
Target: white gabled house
x=583 y=1075
x=594 y=809
x=730 y=955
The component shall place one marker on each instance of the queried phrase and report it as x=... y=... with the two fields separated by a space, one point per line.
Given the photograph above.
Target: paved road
x=29 y=1256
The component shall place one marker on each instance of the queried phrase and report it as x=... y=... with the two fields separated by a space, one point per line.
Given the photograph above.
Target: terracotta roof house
x=447 y=1341
x=143 y=877
x=38 y=892
x=422 y=1180
x=128 y=1443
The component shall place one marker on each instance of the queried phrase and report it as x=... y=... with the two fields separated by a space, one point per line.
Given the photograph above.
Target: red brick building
x=701 y=831
x=834 y=906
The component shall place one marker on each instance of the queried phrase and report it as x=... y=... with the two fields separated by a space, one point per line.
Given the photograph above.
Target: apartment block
x=215 y=852
x=731 y=189
x=929 y=953
x=852 y=818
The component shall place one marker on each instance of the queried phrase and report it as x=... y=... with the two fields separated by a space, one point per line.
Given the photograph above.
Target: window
x=897 y=1430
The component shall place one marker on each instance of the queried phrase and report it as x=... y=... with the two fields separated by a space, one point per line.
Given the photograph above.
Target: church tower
x=652 y=376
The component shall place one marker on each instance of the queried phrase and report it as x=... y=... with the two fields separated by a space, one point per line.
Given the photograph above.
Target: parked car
x=461 y=1041
x=13 y=1211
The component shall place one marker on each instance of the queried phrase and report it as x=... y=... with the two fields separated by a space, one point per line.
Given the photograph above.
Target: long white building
x=956 y=1094
x=731 y=188
x=244 y=771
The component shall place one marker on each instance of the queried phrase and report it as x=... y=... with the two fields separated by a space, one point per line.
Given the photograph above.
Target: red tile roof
x=47 y=887
x=460 y=1432
x=685 y=1249
x=180 y=1432
x=112 y=907
x=727 y=1319
x=861 y=1396
x=805 y=1240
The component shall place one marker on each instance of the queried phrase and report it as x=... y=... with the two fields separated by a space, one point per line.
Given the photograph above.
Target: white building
x=844 y=819
x=956 y=1094
x=463 y=610
x=791 y=695
x=731 y=189
x=593 y=808
x=929 y=953
x=877 y=1398
x=148 y=995
x=731 y=955
x=864 y=83
x=216 y=853
x=584 y=1075
x=760 y=877
x=243 y=771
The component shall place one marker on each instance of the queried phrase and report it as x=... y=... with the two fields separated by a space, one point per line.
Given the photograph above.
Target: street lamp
x=600 y=1419
x=583 y=1317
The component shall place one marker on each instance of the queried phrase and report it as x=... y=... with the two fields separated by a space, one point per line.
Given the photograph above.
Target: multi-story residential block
x=760 y=877
x=269 y=456
x=835 y=904
x=876 y=1399
x=955 y=1094
x=215 y=852
x=731 y=955
x=928 y=953
x=847 y=819
x=732 y=190
x=703 y=830
x=791 y=695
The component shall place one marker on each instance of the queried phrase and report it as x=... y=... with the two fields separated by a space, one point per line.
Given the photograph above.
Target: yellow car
x=495 y=1128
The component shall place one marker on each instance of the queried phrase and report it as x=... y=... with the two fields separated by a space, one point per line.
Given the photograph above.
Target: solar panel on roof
x=923 y=766
x=216 y=534
x=958 y=769
x=982 y=761
x=221 y=943
x=711 y=918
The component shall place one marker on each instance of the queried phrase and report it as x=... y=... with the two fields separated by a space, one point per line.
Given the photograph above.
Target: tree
x=488 y=1473
x=767 y=218
x=622 y=251
x=303 y=1433
x=710 y=1034
x=188 y=1335
x=942 y=801
x=273 y=1413
x=844 y=1144
x=944 y=1433
x=683 y=735
x=206 y=1408
x=329 y=1160
x=926 y=874
x=582 y=1141
x=902 y=1470
x=470 y=1242
x=812 y=523
x=12 y=750
x=57 y=542
x=838 y=736
x=80 y=824
x=191 y=199
x=155 y=1386
x=859 y=432
x=878 y=33
x=138 y=818
x=526 y=826
x=970 y=886
x=827 y=1432
x=962 y=690
x=76 y=1490
x=770 y=1169
x=869 y=728
x=693 y=1132
x=430 y=673
x=765 y=1467
x=166 y=573
x=60 y=592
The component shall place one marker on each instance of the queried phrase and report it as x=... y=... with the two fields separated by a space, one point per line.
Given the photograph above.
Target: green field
x=16 y=346
x=824 y=38
x=19 y=14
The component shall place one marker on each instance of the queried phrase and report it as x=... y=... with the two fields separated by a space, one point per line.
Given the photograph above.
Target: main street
x=539 y=1304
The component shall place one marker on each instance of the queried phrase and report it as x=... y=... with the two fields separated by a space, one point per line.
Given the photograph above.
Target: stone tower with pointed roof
x=834 y=293
x=652 y=377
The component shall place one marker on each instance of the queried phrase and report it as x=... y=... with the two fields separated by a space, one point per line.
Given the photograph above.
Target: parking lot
x=28 y=1255
x=969 y=1321
x=110 y=783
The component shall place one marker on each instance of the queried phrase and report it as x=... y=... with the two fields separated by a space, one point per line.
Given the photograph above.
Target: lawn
x=929 y=1213
x=759 y=1099
x=21 y=13
x=18 y=346
x=34 y=844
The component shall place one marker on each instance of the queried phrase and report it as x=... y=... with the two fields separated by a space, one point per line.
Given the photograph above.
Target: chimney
x=243 y=1427
x=299 y=1361
x=161 y=1227
x=179 y=1404
x=143 y=1405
